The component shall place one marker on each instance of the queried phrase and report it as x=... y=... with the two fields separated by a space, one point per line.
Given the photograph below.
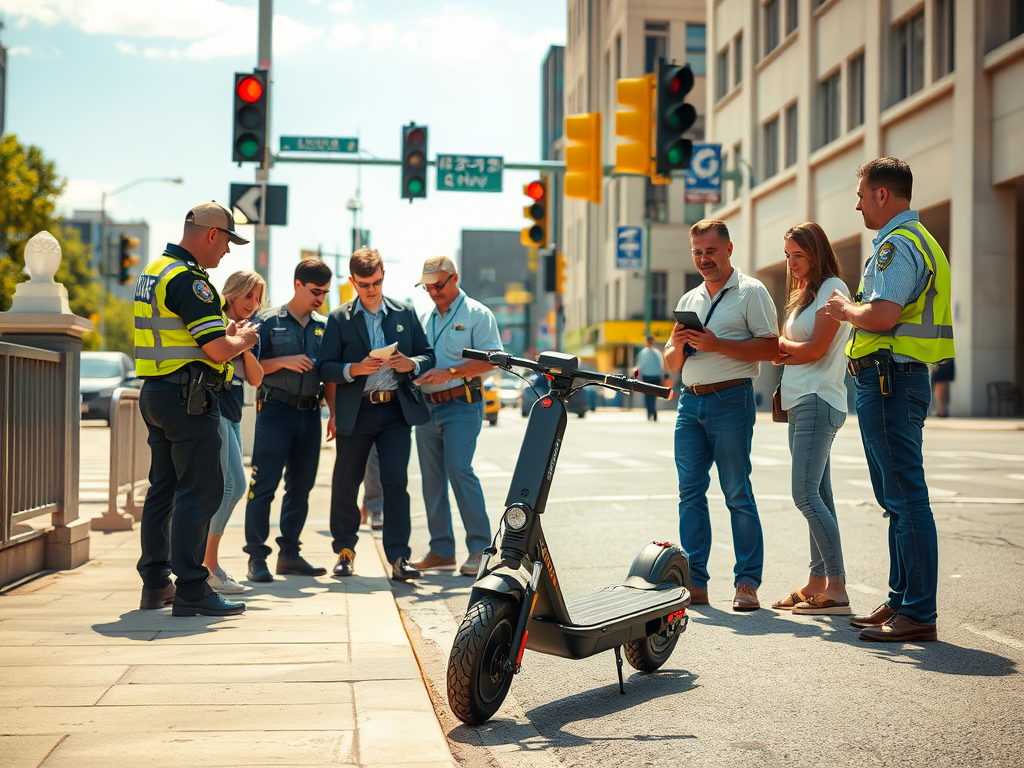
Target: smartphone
x=688 y=320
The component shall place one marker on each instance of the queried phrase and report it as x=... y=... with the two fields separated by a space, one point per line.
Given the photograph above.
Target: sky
x=117 y=90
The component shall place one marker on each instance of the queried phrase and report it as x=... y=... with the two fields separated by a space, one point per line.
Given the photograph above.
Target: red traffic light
x=250 y=90
x=416 y=137
x=535 y=190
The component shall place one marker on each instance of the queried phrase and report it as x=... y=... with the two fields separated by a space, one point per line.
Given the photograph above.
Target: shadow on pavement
x=946 y=659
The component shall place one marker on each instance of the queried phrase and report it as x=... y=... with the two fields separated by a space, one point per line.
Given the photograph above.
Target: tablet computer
x=688 y=320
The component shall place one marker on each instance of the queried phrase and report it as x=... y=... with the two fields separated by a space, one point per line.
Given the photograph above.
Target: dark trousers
x=650 y=401
x=287 y=443
x=384 y=426
x=186 y=484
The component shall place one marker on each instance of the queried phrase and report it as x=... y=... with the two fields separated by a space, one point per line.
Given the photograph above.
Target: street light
x=104 y=259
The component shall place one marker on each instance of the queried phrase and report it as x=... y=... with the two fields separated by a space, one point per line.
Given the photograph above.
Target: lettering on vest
x=144 y=288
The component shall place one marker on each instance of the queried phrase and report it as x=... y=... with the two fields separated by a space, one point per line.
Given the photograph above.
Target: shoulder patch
x=203 y=291
x=885 y=254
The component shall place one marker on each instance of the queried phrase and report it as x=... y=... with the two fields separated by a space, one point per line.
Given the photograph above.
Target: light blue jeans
x=813 y=424
x=234 y=473
x=718 y=428
x=446 y=445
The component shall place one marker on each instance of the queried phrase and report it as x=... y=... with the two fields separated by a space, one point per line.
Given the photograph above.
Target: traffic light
x=250 y=117
x=634 y=123
x=551 y=272
x=414 y=161
x=539 y=212
x=561 y=272
x=674 y=117
x=126 y=258
x=584 y=168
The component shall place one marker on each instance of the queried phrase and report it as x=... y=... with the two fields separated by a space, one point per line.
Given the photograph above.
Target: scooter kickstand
x=618 y=667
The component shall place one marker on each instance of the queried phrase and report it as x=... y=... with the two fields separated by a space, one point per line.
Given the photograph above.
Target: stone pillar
x=40 y=317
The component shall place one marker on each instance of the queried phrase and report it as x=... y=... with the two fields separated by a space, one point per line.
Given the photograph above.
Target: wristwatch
x=453 y=372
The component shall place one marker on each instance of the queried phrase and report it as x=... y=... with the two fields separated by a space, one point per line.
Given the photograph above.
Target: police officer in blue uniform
x=288 y=424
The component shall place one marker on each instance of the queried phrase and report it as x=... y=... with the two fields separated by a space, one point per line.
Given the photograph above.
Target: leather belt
x=857 y=365
x=467 y=393
x=716 y=386
x=378 y=396
x=299 y=402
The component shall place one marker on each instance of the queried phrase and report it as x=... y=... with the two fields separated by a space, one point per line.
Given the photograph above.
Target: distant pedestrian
x=454 y=391
x=715 y=421
x=650 y=367
x=245 y=293
x=182 y=349
x=288 y=425
x=902 y=319
x=375 y=404
x=942 y=377
x=813 y=391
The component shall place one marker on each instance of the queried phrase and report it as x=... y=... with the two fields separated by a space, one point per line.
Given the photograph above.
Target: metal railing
x=129 y=462
x=32 y=394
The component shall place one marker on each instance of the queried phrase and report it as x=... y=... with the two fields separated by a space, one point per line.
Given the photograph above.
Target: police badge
x=885 y=254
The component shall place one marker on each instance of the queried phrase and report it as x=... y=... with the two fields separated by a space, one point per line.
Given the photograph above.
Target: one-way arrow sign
x=246 y=204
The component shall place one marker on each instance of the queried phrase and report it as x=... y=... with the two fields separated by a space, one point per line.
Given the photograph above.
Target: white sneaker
x=221 y=582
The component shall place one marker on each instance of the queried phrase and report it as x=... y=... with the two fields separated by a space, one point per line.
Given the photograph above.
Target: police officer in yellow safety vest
x=902 y=320
x=183 y=343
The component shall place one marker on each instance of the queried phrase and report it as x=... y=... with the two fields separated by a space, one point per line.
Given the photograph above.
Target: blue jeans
x=650 y=401
x=813 y=424
x=718 y=428
x=446 y=445
x=891 y=430
x=234 y=473
x=287 y=442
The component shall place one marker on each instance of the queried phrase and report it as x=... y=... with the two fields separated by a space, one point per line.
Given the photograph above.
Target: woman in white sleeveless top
x=812 y=347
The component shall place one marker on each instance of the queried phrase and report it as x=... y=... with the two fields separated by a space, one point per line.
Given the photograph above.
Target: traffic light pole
x=261 y=241
x=647 y=276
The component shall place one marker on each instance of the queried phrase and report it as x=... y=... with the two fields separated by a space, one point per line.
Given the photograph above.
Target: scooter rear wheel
x=477 y=679
x=650 y=653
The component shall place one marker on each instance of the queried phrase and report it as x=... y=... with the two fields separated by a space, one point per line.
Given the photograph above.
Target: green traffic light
x=675 y=155
x=415 y=186
x=248 y=146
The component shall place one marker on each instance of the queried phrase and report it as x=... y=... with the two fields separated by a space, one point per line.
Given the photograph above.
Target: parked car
x=579 y=402
x=510 y=389
x=102 y=373
x=491 y=403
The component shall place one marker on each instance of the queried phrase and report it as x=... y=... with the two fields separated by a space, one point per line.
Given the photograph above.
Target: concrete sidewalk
x=315 y=672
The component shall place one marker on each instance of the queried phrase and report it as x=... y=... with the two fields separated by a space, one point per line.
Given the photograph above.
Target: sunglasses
x=318 y=292
x=437 y=286
x=367 y=286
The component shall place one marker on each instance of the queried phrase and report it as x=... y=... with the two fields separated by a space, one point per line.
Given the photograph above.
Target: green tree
x=29 y=189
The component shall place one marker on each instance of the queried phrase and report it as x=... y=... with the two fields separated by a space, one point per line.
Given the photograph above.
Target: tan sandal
x=790 y=600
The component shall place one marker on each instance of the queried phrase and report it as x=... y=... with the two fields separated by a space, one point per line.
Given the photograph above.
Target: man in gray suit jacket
x=375 y=404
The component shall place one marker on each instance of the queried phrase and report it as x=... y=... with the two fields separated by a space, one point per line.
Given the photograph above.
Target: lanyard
x=714 y=304
x=444 y=327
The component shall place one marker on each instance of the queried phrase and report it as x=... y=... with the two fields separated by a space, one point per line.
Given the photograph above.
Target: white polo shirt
x=746 y=311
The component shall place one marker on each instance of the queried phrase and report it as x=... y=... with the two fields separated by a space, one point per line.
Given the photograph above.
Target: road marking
x=865 y=589
x=666 y=454
x=651 y=497
x=1015 y=476
x=840 y=459
x=940 y=476
x=995 y=637
x=1018 y=457
x=766 y=461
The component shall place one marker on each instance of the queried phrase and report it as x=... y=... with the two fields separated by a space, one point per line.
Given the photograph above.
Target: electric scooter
x=516 y=602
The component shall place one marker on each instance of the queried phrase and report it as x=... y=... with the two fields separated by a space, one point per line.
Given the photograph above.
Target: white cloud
x=19 y=50
x=383 y=36
x=347 y=35
x=342 y=7
x=126 y=48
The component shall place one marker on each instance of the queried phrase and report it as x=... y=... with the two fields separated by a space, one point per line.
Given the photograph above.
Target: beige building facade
x=802 y=92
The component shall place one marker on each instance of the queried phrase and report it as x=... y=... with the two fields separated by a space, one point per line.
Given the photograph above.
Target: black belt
x=299 y=402
x=855 y=366
x=216 y=381
x=379 y=396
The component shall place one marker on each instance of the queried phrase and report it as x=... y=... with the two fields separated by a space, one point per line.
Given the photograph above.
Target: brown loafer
x=899 y=629
x=746 y=598
x=876 y=618
x=698 y=596
x=433 y=562
x=346 y=565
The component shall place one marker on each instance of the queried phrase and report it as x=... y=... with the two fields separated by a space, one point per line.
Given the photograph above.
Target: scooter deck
x=619 y=602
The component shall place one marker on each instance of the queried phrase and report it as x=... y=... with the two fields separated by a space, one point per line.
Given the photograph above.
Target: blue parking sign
x=704 y=176
x=629 y=251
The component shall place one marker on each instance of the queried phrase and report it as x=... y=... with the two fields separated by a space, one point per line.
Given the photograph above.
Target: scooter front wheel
x=478 y=679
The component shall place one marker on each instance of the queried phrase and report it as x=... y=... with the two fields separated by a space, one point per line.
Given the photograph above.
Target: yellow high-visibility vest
x=924 y=330
x=163 y=342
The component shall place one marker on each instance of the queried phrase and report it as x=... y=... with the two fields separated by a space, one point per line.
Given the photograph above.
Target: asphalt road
x=767 y=688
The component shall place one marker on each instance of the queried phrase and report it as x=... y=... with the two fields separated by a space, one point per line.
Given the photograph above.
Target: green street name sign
x=466 y=173
x=318 y=144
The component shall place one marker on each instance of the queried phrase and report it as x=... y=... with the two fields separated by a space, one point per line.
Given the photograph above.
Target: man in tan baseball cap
x=213 y=215
x=436 y=268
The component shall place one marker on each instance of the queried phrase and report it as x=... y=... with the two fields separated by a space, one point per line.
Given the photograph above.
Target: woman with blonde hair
x=813 y=390
x=245 y=294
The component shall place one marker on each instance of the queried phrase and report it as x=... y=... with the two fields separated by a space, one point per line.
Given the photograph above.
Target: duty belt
x=857 y=365
x=299 y=402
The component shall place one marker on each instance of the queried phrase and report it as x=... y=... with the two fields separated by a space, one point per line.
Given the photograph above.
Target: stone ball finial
x=42 y=257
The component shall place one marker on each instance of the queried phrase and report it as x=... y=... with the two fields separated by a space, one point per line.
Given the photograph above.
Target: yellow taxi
x=491 y=402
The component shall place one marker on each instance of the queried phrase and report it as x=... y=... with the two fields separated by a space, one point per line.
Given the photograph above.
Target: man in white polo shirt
x=715 y=421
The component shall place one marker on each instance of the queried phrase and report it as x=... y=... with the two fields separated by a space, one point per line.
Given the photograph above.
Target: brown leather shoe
x=698 y=596
x=746 y=598
x=346 y=564
x=876 y=618
x=899 y=629
x=433 y=562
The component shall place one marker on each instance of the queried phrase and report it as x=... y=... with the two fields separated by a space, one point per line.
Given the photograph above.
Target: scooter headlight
x=515 y=518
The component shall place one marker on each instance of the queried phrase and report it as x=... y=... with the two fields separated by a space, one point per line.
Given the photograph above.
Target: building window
x=696 y=48
x=655 y=44
x=792 y=19
x=722 y=74
x=659 y=296
x=909 y=57
x=828 y=110
x=770 y=16
x=945 y=36
x=855 y=92
x=656 y=202
x=770 y=148
x=791 y=127
x=738 y=57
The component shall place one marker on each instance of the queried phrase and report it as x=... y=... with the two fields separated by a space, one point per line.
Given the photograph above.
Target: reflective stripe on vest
x=924 y=330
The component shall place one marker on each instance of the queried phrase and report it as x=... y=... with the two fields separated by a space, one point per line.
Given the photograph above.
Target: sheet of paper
x=384 y=352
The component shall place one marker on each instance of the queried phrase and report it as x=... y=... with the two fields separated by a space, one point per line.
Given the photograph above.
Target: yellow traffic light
x=584 y=168
x=634 y=123
x=561 y=272
x=538 y=212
